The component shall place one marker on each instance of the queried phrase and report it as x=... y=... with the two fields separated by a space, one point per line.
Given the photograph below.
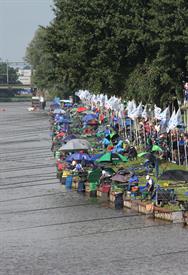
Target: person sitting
x=107 y=131
x=132 y=153
x=133 y=181
x=119 y=146
x=147 y=165
x=73 y=164
x=150 y=185
x=104 y=175
x=105 y=142
x=78 y=168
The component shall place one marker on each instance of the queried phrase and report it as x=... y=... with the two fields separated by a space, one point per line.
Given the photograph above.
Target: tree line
x=11 y=76
x=134 y=49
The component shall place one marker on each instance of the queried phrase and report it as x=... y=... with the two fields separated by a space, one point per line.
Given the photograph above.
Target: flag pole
x=144 y=131
x=171 y=145
x=131 y=130
x=185 y=152
x=124 y=129
x=178 y=147
x=136 y=124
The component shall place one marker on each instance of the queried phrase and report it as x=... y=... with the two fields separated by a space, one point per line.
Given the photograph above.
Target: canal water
x=46 y=230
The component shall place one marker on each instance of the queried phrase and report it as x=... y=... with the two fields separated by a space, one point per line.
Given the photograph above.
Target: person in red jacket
x=101 y=118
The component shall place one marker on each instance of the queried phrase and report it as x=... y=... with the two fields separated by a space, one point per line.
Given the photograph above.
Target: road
x=45 y=230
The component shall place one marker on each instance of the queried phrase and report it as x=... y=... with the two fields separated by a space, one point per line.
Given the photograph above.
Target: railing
x=14 y=86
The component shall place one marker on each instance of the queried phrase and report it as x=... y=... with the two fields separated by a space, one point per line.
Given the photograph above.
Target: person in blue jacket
x=105 y=142
x=133 y=181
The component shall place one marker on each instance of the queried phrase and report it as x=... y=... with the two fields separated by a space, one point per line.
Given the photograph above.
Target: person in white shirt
x=42 y=102
x=150 y=184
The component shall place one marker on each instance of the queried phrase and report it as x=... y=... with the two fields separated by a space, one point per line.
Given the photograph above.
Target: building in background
x=24 y=76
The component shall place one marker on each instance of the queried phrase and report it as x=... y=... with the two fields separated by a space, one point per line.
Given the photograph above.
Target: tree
x=40 y=60
x=167 y=29
x=9 y=72
x=130 y=48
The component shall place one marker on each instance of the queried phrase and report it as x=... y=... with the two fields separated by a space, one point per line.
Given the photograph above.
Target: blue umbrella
x=56 y=101
x=62 y=120
x=65 y=121
x=58 y=111
x=95 y=157
x=55 y=106
x=89 y=117
x=78 y=156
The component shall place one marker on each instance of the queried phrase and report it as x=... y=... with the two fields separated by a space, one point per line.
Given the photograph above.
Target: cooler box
x=105 y=188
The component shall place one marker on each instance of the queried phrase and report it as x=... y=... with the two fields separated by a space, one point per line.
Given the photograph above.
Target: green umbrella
x=100 y=134
x=156 y=148
x=142 y=154
x=109 y=170
x=112 y=157
x=95 y=175
x=88 y=112
x=73 y=110
x=112 y=135
x=123 y=158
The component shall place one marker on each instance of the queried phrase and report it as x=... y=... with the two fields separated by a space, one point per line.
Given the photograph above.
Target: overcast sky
x=19 y=20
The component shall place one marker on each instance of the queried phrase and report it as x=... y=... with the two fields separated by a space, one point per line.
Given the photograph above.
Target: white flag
x=131 y=107
x=175 y=120
x=145 y=114
x=179 y=120
x=157 y=112
x=137 y=113
x=165 y=116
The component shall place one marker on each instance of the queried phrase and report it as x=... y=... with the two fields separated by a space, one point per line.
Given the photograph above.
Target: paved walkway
x=46 y=230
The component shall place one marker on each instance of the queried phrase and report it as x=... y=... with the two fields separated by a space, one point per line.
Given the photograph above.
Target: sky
x=19 y=19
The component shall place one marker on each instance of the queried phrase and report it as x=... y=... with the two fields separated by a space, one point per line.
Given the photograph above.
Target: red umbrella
x=81 y=109
x=110 y=148
x=61 y=134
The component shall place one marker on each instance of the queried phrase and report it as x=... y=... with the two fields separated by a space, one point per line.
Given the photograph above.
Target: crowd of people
x=140 y=141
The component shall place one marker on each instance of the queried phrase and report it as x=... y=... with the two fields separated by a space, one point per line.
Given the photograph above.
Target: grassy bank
x=23 y=98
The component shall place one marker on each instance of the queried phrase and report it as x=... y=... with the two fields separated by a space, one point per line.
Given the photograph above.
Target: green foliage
x=12 y=74
x=40 y=59
x=130 y=48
